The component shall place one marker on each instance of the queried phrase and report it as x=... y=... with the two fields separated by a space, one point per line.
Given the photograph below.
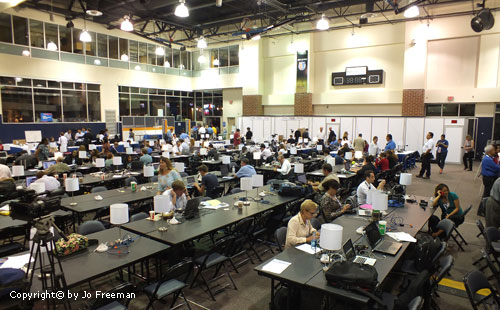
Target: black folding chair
x=475 y=281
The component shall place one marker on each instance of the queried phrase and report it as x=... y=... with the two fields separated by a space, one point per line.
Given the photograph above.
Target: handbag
x=350 y=275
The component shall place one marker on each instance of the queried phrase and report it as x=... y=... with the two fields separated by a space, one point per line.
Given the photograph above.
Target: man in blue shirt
x=169 y=135
x=441 y=152
x=184 y=135
x=209 y=130
x=489 y=169
x=246 y=170
x=391 y=145
x=339 y=158
x=146 y=158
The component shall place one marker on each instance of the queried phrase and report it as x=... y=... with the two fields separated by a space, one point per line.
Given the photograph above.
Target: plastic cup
x=382 y=226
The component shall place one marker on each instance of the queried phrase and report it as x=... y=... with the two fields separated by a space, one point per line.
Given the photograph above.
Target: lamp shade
x=57 y=155
x=17 y=171
x=52 y=144
x=118 y=213
x=117 y=160
x=331 y=161
x=379 y=201
x=358 y=154
x=92 y=147
x=246 y=184
x=299 y=168
x=164 y=147
x=203 y=151
x=197 y=143
x=306 y=140
x=165 y=154
x=162 y=203
x=71 y=184
x=331 y=237
x=100 y=162
x=179 y=167
x=129 y=150
x=257 y=180
x=256 y=155
x=226 y=160
x=348 y=155
x=405 y=178
x=149 y=171
x=293 y=150
x=126 y=144
x=38 y=187
x=319 y=147
x=82 y=154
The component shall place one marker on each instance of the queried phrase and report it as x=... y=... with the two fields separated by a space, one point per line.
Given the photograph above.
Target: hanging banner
x=302 y=68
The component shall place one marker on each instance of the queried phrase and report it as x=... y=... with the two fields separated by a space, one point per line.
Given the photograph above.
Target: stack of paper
x=306 y=247
x=276 y=266
x=401 y=236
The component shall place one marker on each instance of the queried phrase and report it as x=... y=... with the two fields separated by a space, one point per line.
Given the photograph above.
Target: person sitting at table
x=449 y=204
x=177 y=148
x=392 y=158
x=166 y=175
x=327 y=156
x=51 y=183
x=246 y=170
x=285 y=168
x=58 y=167
x=114 y=148
x=183 y=135
x=209 y=182
x=109 y=160
x=330 y=204
x=264 y=152
x=492 y=215
x=146 y=159
x=290 y=140
x=43 y=150
x=27 y=160
x=367 y=166
x=185 y=150
x=382 y=163
x=7 y=184
x=299 y=229
x=212 y=152
x=94 y=154
x=367 y=185
x=178 y=194
x=282 y=149
x=72 y=159
x=329 y=175
x=339 y=158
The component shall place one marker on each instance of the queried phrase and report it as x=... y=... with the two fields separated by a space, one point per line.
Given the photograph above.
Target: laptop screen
x=224 y=170
x=372 y=233
x=190 y=180
x=302 y=178
x=349 y=251
x=30 y=180
x=47 y=164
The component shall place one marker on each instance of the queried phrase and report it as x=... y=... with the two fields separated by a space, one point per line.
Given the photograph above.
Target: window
x=94 y=105
x=123 y=47
x=176 y=59
x=113 y=48
x=20 y=30
x=17 y=105
x=5 y=29
x=74 y=106
x=156 y=103
x=77 y=44
x=66 y=39
x=467 y=109
x=151 y=54
x=173 y=103
x=234 y=59
x=168 y=57
x=213 y=55
x=184 y=60
x=47 y=101
x=224 y=57
x=90 y=47
x=138 y=105
x=433 y=110
x=102 y=45
x=134 y=50
x=51 y=34
x=36 y=33
x=450 y=109
x=124 y=102
x=143 y=53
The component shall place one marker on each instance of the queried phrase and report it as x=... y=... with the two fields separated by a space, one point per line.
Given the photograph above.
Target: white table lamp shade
x=129 y=150
x=82 y=154
x=319 y=147
x=179 y=167
x=405 y=178
x=315 y=139
x=246 y=184
x=257 y=180
x=256 y=155
x=162 y=203
x=358 y=154
x=220 y=138
x=203 y=151
x=38 y=187
x=126 y=144
x=293 y=150
x=63 y=148
x=149 y=171
x=331 y=237
x=240 y=146
x=348 y=155
x=299 y=168
x=369 y=195
x=71 y=184
x=299 y=140
x=306 y=140
x=17 y=171
x=379 y=201
x=100 y=162
x=226 y=160
x=231 y=136
x=57 y=155
x=169 y=147
x=117 y=160
x=196 y=143
x=118 y=213
x=331 y=161
x=53 y=144
x=92 y=147
x=165 y=154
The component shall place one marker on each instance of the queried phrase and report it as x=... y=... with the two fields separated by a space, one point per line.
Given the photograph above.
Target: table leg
x=272 y=294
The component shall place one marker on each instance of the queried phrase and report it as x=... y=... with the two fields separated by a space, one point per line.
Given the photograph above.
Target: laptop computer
x=224 y=170
x=301 y=178
x=192 y=208
x=47 y=164
x=378 y=243
x=30 y=180
x=3 y=154
x=190 y=180
x=350 y=255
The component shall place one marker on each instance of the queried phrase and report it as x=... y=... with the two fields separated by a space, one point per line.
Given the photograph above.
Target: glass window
x=4 y=80
x=234 y=59
x=143 y=53
x=95 y=87
x=90 y=47
x=450 y=109
x=20 y=30
x=123 y=47
x=53 y=84
x=467 y=109
x=134 y=50
x=184 y=60
x=213 y=54
x=39 y=83
x=123 y=89
x=176 y=58
x=65 y=35
x=48 y=101
x=217 y=108
x=102 y=45
x=223 y=57
x=196 y=64
x=79 y=86
x=51 y=34
x=23 y=82
x=124 y=101
x=113 y=48
x=77 y=44
x=5 y=29
x=189 y=61
x=199 y=109
x=151 y=54
x=156 y=103
x=36 y=33
x=68 y=85
x=160 y=60
x=17 y=105
x=173 y=105
x=74 y=106
x=168 y=57
x=134 y=90
x=433 y=110
x=94 y=103
x=139 y=105
x=188 y=108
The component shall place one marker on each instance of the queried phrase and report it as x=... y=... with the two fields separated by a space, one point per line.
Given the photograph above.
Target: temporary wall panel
x=434 y=125
x=414 y=133
x=379 y=129
x=396 y=129
x=346 y=124
x=364 y=126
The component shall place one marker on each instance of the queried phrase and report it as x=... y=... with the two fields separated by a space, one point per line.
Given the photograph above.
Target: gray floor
x=254 y=291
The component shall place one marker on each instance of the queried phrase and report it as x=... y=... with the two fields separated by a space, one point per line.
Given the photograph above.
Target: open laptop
x=3 y=154
x=190 y=180
x=301 y=178
x=378 y=243
x=47 y=164
x=192 y=208
x=350 y=255
x=30 y=180
x=224 y=170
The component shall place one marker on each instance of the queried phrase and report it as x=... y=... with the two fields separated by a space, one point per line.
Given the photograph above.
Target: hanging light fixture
x=124 y=57
x=160 y=51
x=85 y=36
x=51 y=46
x=202 y=43
x=322 y=23
x=181 y=10
x=97 y=62
x=26 y=53
x=126 y=24
x=137 y=68
x=202 y=59
x=412 y=12
x=256 y=37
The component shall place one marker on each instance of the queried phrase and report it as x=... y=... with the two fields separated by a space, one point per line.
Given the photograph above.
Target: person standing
x=468 y=152
x=374 y=150
x=298 y=135
x=359 y=143
x=237 y=138
x=331 y=136
x=391 y=145
x=441 y=152
x=131 y=134
x=202 y=131
x=426 y=157
x=321 y=136
x=305 y=135
x=489 y=169
x=248 y=134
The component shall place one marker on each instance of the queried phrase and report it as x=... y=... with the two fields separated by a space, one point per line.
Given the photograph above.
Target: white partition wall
x=434 y=125
x=379 y=129
x=317 y=122
x=258 y=129
x=292 y=125
x=280 y=127
x=267 y=125
x=364 y=126
x=346 y=124
x=396 y=128
x=414 y=134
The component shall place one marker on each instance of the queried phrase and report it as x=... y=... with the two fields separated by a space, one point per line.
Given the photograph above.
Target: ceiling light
x=202 y=43
x=322 y=24
x=256 y=37
x=202 y=59
x=51 y=46
x=26 y=53
x=70 y=24
x=166 y=64
x=94 y=13
x=124 y=57
x=19 y=79
x=216 y=62
x=218 y=3
x=181 y=10
x=97 y=62
x=85 y=36
x=137 y=68
x=412 y=12
x=160 y=51
x=126 y=24
x=484 y=20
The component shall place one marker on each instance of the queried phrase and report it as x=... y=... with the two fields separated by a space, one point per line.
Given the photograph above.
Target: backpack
x=350 y=275
x=424 y=251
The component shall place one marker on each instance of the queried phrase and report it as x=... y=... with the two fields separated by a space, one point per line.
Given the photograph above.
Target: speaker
x=484 y=20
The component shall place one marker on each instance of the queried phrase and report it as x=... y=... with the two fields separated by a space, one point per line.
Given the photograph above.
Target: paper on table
x=401 y=236
x=276 y=266
x=306 y=247
x=116 y=176
x=16 y=262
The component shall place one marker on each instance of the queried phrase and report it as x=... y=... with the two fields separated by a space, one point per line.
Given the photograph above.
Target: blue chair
x=138 y=216
x=90 y=227
x=98 y=189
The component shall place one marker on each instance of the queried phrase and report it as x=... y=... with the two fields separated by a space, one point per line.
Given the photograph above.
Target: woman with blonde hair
x=166 y=175
x=299 y=228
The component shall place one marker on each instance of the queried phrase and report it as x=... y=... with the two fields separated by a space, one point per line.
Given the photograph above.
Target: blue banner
x=46 y=117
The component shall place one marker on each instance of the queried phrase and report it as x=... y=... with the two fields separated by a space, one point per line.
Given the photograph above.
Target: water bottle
x=313 y=241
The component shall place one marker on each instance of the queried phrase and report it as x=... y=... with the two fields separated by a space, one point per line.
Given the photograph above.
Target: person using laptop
x=330 y=204
x=51 y=183
x=209 y=182
x=27 y=160
x=212 y=152
x=73 y=159
x=339 y=158
x=299 y=229
x=178 y=194
x=329 y=175
x=265 y=152
x=246 y=170
x=185 y=150
x=285 y=166
x=58 y=167
x=366 y=186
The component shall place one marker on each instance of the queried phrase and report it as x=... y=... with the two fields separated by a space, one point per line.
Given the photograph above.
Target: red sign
x=332 y=120
x=451 y=98
x=454 y=121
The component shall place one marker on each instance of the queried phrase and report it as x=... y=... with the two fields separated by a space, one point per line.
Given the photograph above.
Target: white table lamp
x=348 y=155
x=203 y=151
x=293 y=150
x=226 y=160
x=331 y=237
x=179 y=167
x=100 y=162
x=358 y=154
x=117 y=160
x=331 y=161
x=129 y=150
x=92 y=147
x=165 y=154
x=256 y=155
x=379 y=201
x=299 y=168
x=319 y=147
x=72 y=185
x=82 y=154
x=57 y=155
x=257 y=180
x=405 y=178
x=246 y=184
x=17 y=170
x=149 y=171
x=118 y=215
x=162 y=203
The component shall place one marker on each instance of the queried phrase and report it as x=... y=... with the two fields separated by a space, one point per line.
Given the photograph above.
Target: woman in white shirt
x=374 y=150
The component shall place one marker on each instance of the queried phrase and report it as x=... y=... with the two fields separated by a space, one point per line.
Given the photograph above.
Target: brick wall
x=303 y=104
x=252 y=105
x=413 y=102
